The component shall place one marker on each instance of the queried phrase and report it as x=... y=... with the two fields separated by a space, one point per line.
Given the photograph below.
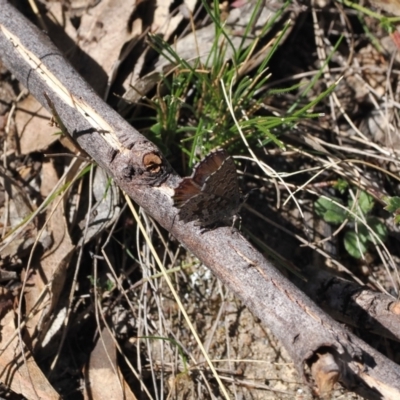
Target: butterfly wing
x=223 y=182
x=208 y=166
x=211 y=193
x=186 y=189
x=198 y=209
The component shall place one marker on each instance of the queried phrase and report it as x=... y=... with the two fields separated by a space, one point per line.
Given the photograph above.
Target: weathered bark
x=353 y=304
x=139 y=168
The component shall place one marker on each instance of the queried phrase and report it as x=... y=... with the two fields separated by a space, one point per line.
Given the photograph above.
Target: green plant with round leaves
x=393 y=206
x=361 y=227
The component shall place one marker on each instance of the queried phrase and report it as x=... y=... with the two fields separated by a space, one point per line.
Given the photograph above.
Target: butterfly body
x=211 y=193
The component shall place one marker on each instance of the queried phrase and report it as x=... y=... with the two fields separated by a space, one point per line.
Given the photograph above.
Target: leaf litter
x=119 y=328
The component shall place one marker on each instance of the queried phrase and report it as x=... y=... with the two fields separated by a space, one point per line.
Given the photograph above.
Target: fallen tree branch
x=316 y=342
x=355 y=305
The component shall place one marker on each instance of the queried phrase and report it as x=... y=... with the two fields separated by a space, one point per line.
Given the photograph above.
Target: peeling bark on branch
x=310 y=336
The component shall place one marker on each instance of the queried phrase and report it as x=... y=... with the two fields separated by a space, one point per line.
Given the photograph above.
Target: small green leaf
x=354 y=244
x=366 y=202
x=362 y=232
x=393 y=203
x=378 y=227
x=109 y=285
x=364 y=205
x=341 y=185
x=329 y=211
x=393 y=206
x=156 y=129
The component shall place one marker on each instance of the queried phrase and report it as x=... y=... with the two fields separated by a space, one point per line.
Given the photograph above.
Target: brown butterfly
x=211 y=193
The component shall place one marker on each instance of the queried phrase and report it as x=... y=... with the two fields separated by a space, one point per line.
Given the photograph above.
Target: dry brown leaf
x=18 y=208
x=21 y=376
x=33 y=128
x=164 y=23
x=107 y=206
x=6 y=301
x=104 y=380
x=54 y=263
x=56 y=14
x=20 y=205
x=390 y=6
x=104 y=31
